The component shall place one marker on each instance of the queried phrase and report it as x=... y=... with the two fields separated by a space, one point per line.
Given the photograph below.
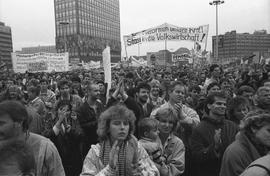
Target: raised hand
x=61 y=115
x=178 y=107
x=113 y=158
x=217 y=138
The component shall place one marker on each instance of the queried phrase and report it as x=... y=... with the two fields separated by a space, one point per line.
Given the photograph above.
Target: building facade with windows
x=85 y=27
x=5 y=44
x=239 y=45
x=37 y=49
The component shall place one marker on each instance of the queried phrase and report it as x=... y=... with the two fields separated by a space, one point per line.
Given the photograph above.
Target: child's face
x=153 y=134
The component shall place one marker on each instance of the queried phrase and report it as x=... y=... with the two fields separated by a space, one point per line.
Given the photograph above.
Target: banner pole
x=125 y=48
x=165 y=49
x=206 y=37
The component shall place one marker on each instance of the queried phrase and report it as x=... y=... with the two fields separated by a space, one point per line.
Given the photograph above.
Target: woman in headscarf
x=118 y=152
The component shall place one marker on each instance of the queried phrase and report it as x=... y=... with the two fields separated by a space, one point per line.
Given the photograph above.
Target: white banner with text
x=40 y=62
x=168 y=32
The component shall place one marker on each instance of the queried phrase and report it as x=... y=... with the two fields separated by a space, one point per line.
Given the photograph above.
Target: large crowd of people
x=168 y=121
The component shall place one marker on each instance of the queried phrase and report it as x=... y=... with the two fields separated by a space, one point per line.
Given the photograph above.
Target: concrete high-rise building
x=37 y=49
x=85 y=27
x=239 y=45
x=5 y=45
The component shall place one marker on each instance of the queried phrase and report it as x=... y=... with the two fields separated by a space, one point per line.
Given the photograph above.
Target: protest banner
x=168 y=32
x=37 y=67
x=40 y=62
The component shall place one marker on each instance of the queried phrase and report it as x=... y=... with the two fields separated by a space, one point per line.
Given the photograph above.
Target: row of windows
x=75 y=52
x=66 y=13
x=6 y=44
x=99 y=33
x=5 y=36
x=86 y=31
x=89 y=7
x=88 y=24
x=99 y=14
x=71 y=29
x=101 y=3
x=6 y=49
x=101 y=26
x=99 y=20
x=62 y=1
x=105 y=7
x=65 y=5
x=70 y=16
x=5 y=40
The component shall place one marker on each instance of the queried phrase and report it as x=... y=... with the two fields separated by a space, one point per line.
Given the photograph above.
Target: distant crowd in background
x=208 y=121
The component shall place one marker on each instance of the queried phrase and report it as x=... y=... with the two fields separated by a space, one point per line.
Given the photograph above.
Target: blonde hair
x=167 y=113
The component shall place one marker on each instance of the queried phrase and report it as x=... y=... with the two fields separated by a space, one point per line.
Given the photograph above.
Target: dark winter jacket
x=205 y=159
x=238 y=156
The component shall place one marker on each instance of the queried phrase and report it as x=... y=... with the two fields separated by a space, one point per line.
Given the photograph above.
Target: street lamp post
x=216 y=3
x=65 y=23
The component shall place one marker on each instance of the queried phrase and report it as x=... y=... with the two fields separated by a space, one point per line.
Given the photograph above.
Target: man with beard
x=211 y=137
x=263 y=98
x=88 y=115
x=142 y=95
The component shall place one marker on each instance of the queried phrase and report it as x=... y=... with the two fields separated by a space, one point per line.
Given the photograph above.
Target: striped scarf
x=127 y=155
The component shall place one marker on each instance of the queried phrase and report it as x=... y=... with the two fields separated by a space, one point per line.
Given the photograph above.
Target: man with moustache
x=88 y=115
x=211 y=137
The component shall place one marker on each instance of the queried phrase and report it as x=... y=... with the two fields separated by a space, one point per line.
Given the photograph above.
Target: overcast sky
x=32 y=21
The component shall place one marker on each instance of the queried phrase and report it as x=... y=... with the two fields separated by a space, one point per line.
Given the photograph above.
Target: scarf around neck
x=128 y=155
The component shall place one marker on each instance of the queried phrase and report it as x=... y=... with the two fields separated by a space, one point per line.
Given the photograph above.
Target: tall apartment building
x=37 y=49
x=5 y=44
x=85 y=27
x=239 y=45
